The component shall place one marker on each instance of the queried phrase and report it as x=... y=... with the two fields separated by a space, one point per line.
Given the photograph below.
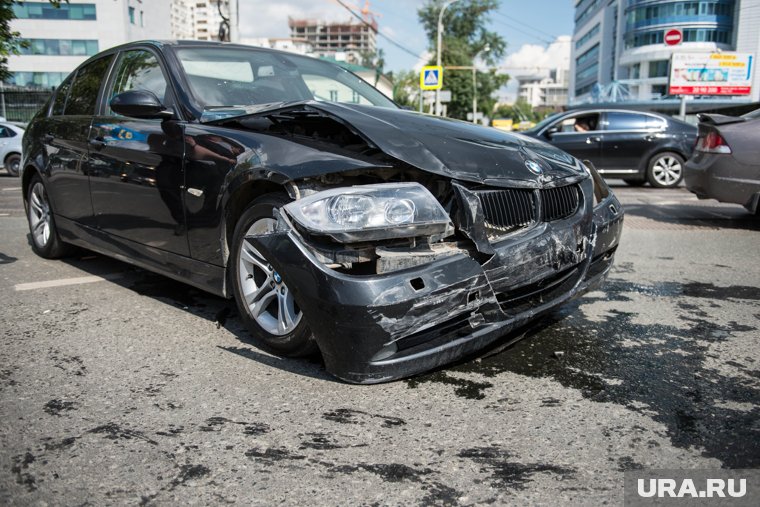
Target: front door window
x=140 y=70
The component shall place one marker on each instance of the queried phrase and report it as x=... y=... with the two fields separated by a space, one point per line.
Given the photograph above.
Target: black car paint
x=620 y=153
x=158 y=194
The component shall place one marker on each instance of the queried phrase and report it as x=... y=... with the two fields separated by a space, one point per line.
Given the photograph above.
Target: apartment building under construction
x=335 y=39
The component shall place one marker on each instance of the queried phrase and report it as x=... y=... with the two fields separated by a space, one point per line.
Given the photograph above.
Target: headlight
x=372 y=212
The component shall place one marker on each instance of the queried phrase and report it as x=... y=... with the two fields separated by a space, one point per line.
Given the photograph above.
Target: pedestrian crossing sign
x=431 y=77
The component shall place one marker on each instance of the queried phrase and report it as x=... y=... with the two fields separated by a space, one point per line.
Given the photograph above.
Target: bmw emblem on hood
x=533 y=166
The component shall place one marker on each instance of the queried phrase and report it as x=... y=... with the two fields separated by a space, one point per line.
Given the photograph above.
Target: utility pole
x=438 y=52
x=234 y=33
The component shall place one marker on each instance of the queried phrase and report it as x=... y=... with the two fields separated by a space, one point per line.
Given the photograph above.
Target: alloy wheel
x=667 y=170
x=14 y=166
x=268 y=299
x=40 y=220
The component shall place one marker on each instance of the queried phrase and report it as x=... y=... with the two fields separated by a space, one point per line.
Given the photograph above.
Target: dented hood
x=458 y=149
x=453 y=148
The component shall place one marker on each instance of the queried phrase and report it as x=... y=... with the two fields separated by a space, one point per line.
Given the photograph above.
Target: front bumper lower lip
x=377 y=328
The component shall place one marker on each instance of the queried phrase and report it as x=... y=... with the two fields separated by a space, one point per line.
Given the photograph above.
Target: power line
x=380 y=33
x=545 y=41
x=523 y=24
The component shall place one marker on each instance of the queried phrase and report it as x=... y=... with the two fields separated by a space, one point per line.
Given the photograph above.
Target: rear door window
x=626 y=121
x=83 y=97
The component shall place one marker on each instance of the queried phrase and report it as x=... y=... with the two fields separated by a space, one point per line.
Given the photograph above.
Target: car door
x=5 y=136
x=578 y=135
x=136 y=164
x=628 y=136
x=65 y=136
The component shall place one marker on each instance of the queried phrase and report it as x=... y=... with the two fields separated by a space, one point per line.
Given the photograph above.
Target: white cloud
x=532 y=59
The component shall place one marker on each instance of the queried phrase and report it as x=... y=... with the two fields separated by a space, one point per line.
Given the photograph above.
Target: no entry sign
x=673 y=37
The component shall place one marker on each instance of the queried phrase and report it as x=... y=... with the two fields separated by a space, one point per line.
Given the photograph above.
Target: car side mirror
x=141 y=104
x=551 y=131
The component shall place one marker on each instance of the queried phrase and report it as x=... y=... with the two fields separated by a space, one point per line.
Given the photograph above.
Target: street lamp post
x=486 y=49
x=438 y=52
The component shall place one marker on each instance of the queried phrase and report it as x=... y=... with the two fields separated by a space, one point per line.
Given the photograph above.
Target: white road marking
x=62 y=282
x=9 y=189
x=5 y=214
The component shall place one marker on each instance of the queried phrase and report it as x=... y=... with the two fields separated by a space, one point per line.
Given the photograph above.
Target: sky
x=537 y=31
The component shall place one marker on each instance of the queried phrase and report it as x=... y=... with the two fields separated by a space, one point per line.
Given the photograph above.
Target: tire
x=665 y=170
x=13 y=163
x=635 y=183
x=273 y=317
x=39 y=214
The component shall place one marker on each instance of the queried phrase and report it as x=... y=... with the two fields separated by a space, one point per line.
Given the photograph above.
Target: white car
x=10 y=147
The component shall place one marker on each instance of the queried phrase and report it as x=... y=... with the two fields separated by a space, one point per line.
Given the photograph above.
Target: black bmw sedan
x=389 y=241
x=637 y=146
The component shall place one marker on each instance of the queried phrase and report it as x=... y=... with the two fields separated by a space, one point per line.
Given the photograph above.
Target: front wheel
x=13 y=163
x=266 y=304
x=665 y=170
x=45 y=239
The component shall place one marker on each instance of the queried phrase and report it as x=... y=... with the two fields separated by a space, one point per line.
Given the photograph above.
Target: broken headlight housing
x=372 y=212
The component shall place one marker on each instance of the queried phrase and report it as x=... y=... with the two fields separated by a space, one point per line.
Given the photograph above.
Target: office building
x=623 y=41
x=61 y=38
x=198 y=19
x=544 y=91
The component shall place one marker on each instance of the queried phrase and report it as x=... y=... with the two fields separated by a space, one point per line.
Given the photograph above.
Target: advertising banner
x=711 y=74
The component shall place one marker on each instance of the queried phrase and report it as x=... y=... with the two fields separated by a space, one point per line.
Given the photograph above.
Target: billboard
x=711 y=74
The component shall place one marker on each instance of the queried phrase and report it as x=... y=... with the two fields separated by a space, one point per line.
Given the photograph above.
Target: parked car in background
x=390 y=241
x=726 y=161
x=10 y=147
x=636 y=146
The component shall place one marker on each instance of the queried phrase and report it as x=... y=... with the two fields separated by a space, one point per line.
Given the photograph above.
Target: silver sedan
x=726 y=161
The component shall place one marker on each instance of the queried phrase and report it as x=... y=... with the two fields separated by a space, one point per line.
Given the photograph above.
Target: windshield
x=234 y=81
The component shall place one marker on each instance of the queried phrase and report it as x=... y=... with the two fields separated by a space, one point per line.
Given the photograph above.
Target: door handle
x=593 y=139
x=97 y=142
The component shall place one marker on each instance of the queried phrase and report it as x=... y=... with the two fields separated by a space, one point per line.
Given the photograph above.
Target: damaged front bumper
x=375 y=328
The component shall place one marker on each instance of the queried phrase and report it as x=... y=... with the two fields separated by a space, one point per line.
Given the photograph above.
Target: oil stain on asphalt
x=648 y=368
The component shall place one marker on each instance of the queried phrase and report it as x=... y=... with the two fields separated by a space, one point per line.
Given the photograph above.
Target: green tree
x=465 y=37
x=373 y=60
x=11 y=42
x=519 y=111
x=406 y=87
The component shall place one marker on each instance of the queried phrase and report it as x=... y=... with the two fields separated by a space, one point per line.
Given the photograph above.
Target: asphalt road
x=123 y=387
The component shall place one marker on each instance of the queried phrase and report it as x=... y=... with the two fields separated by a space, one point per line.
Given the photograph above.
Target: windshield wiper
x=225 y=112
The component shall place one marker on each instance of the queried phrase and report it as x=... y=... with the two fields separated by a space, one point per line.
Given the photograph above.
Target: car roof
x=160 y=44
x=612 y=110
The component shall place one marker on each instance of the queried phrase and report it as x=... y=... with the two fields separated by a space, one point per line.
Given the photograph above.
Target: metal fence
x=21 y=105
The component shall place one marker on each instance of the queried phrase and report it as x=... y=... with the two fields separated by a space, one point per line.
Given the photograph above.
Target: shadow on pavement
x=196 y=302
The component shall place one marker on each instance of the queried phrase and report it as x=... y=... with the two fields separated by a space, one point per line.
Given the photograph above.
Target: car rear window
x=626 y=121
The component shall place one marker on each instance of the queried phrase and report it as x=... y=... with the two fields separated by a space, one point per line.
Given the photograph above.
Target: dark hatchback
x=389 y=241
x=636 y=146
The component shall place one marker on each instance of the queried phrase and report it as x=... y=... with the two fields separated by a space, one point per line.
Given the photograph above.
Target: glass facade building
x=624 y=40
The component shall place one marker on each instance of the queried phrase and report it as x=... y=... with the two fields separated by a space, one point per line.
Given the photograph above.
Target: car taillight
x=713 y=142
